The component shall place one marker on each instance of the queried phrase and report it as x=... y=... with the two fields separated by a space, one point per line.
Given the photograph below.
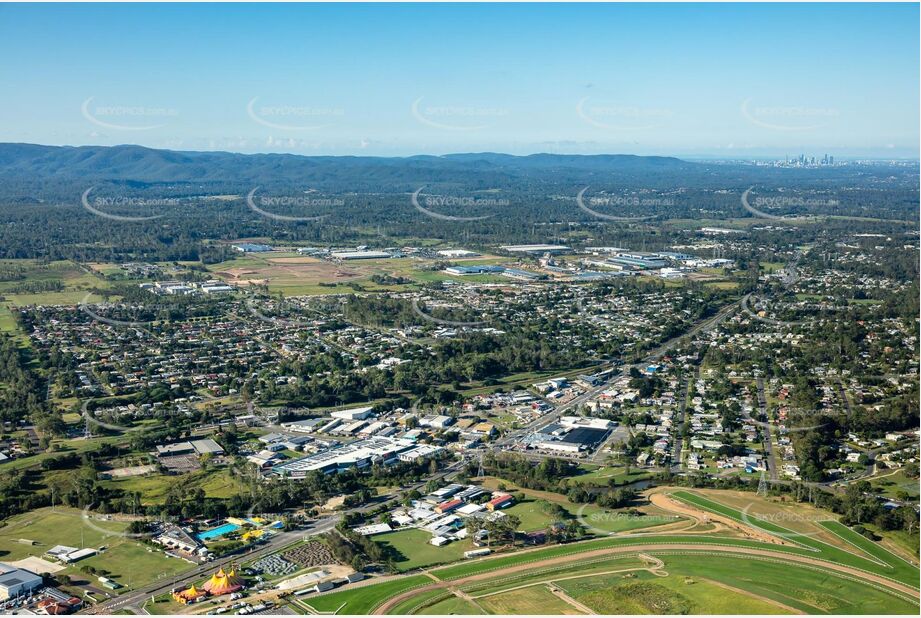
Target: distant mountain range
x=147 y=165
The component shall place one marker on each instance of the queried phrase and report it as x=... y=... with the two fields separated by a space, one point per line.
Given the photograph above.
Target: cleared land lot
x=74 y=282
x=294 y=274
x=218 y=483
x=127 y=560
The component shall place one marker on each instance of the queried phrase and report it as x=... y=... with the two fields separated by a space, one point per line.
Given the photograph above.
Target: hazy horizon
x=685 y=157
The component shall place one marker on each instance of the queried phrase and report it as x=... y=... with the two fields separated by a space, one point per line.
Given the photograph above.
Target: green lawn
x=75 y=280
x=603 y=475
x=364 y=599
x=892 y=484
x=532 y=516
x=416 y=551
x=588 y=566
x=858 y=540
x=128 y=560
x=451 y=606
x=79 y=445
x=696 y=583
x=133 y=564
x=217 y=483
x=7 y=321
x=894 y=567
x=421 y=602
x=690 y=588
x=62 y=526
x=534 y=600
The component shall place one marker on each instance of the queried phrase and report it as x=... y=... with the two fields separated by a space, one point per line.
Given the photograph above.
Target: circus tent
x=189 y=595
x=223 y=583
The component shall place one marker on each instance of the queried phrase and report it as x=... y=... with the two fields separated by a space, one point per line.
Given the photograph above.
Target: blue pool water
x=216 y=532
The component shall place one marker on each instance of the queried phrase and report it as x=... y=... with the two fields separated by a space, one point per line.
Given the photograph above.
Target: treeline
x=858 y=505
x=22 y=390
x=46 y=219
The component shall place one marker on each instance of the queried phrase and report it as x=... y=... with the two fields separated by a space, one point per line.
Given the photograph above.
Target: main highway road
x=653 y=355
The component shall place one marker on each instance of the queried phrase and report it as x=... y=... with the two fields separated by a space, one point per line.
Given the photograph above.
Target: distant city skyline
x=733 y=81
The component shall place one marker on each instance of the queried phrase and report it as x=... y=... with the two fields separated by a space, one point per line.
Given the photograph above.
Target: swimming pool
x=216 y=532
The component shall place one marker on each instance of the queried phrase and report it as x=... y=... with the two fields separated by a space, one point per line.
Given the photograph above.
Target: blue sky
x=719 y=80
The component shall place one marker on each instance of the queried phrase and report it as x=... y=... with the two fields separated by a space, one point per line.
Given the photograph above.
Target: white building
x=563 y=447
x=354 y=414
x=581 y=421
x=457 y=253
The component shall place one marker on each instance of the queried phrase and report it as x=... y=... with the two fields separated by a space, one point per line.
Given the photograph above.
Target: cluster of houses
x=196 y=352
x=443 y=513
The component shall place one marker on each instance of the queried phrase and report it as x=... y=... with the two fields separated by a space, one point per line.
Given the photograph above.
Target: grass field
x=133 y=564
x=603 y=475
x=75 y=282
x=534 y=517
x=424 y=602
x=873 y=558
x=645 y=593
x=694 y=582
x=600 y=520
x=416 y=551
x=451 y=606
x=47 y=527
x=892 y=484
x=804 y=588
x=707 y=579
x=295 y=275
x=128 y=560
x=365 y=598
x=153 y=488
x=77 y=446
x=534 y=600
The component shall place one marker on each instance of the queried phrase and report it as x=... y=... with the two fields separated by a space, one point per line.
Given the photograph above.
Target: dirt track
x=663 y=501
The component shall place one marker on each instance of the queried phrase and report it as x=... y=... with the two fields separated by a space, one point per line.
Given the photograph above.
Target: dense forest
x=200 y=198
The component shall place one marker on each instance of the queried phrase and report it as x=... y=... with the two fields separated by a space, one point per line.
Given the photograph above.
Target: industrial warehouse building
x=358 y=454
x=15 y=582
